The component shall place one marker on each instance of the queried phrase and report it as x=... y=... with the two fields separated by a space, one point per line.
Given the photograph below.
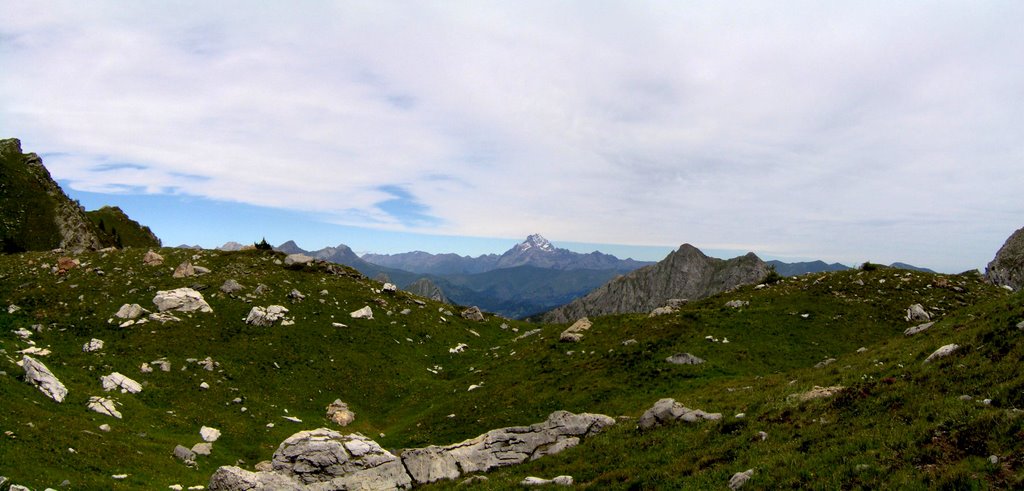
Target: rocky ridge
x=685 y=273
x=326 y=460
x=1007 y=268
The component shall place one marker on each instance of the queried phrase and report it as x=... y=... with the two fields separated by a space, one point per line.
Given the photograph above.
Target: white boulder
x=116 y=381
x=103 y=405
x=363 y=313
x=37 y=374
x=181 y=300
x=93 y=345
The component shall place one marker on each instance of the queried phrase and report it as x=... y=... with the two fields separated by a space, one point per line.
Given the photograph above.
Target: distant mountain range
x=535 y=251
x=532 y=277
x=799 y=268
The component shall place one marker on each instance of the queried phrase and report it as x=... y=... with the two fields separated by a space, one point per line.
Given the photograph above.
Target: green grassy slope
x=899 y=418
x=118 y=230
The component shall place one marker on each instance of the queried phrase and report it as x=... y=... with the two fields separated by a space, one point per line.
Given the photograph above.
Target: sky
x=842 y=131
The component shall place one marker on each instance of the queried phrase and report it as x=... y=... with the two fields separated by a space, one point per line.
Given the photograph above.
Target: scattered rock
x=103 y=405
x=163 y=317
x=824 y=363
x=629 y=342
x=231 y=286
x=339 y=412
x=164 y=365
x=65 y=264
x=184 y=270
x=737 y=304
x=527 y=334
x=116 y=381
x=296 y=295
x=818 y=392
x=684 y=359
x=297 y=259
x=152 y=259
x=363 y=313
x=265 y=317
x=473 y=480
x=740 y=478
x=209 y=434
x=662 y=311
x=184 y=454
x=459 y=348
x=181 y=300
x=916 y=313
x=942 y=352
x=389 y=288
x=918 y=328
x=668 y=410
x=93 y=345
x=538 y=481
x=203 y=448
x=204 y=386
x=575 y=332
x=130 y=311
x=473 y=314
x=502 y=447
x=105 y=427
x=37 y=374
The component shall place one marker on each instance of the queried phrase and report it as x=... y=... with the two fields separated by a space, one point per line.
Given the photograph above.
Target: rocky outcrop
x=575 y=332
x=1007 y=268
x=265 y=317
x=116 y=381
x=363 y=313
x=942 y=352
x=324 y=459
x=427 y=289
x=685 y=273
x=684 y=359
x=181 y=300
x=37 y=374
x=339 y=412
x=668 y=410
x=503 y=447
x=37 y=215
x=104 y=405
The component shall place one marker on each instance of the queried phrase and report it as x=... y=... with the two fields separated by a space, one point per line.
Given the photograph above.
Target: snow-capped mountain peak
x=536 y=241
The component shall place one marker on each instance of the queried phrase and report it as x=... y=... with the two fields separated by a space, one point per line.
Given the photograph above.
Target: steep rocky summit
x=1007 y=268
x=685 y=273
x=35 y=214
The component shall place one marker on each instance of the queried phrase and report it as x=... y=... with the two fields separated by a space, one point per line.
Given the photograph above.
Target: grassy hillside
x=26 y=221
x=118 y=230
x=897 y=423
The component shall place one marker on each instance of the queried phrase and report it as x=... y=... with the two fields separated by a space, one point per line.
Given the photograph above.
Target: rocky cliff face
x=427 y=289
x=35 y=214
x=685 y=273
x=1007 y=268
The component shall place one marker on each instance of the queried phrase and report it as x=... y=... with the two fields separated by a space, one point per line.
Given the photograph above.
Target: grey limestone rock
x=539 y=481
x=363 y=313
x=37 y=374
x=181 y=300
x=740 y=478
x=297 y=259
x=473 y=314
x=104 y=405
x=130 y=311
x=1007 y=268
x=575 y=332
x=183 y=454
x=231 y=286
x=265 y=317
x=668 y=410
x=942 y=352
x=93 y=345
x=918 y=329
x=339 y=412
x=116 y=381
x=152 y=259
x=917 y=313
x=684 y=359
x=184 y=270
x=503 y=447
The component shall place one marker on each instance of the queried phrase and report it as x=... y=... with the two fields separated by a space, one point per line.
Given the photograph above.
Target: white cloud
x=837 y=131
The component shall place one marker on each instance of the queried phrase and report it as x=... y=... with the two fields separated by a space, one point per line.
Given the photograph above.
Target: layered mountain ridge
x=684 y=274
